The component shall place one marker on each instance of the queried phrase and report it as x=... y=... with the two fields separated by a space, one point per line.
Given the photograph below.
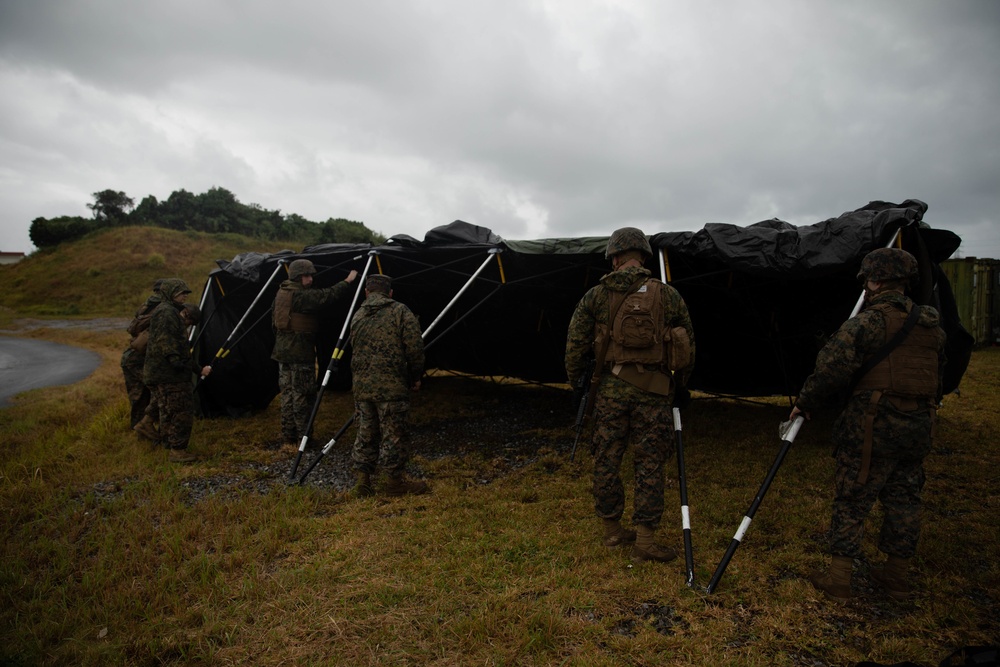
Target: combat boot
x=400 y=486
x=146 y=429
x=363 y=486
x=615 y=535
x=893 y=577
x=181 y=456
x=835 y=582
x=646 y=549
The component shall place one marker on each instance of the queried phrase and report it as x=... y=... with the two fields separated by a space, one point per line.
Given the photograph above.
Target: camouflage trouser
x=176 y=405
x=896 y=483
x=297 y=383
x=382 y=426
x=623 y=413
x=138 y=392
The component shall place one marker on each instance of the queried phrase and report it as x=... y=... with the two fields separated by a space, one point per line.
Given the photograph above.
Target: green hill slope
x=108 y=274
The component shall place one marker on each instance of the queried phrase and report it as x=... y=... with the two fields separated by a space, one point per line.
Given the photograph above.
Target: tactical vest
x=287 y=320
x=911 y=369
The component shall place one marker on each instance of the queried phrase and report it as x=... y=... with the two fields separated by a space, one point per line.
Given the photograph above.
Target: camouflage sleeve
x=315 y=300
x=413 y=345
x=580 y=337
x=840 y=359
x=166 y=335
x=678 y=316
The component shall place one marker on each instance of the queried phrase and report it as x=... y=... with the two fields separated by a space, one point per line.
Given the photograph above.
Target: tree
x=111 y=206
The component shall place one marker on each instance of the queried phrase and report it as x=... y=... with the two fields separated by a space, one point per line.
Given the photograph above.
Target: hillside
x=108 y=274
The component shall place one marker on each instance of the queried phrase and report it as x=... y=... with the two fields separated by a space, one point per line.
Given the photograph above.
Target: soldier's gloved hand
x=682 y=398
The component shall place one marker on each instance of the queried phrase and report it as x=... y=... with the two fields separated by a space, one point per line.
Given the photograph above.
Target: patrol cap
x=378 y=282
x=193 y=312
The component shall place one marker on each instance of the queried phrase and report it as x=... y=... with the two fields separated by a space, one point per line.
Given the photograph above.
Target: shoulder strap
x=892 y=344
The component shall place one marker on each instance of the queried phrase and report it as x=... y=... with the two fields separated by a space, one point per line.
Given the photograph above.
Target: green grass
x=111 y=555
x=108 y=558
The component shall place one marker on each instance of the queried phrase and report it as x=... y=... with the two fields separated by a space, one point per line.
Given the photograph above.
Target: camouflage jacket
x=291 y=347
x=387 y=355
x=168 y=355
x=594 y=308
x=857 y=339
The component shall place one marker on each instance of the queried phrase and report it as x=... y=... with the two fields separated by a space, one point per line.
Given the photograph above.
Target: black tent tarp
x=763 y=298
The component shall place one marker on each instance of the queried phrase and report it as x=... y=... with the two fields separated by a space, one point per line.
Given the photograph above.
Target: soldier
x=133 y=359
x=623 y=322
x=387 y=363
x=884 y=431
x=169 y=367
x=294 y=315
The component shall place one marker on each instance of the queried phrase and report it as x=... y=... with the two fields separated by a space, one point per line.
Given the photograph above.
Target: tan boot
x=894 y=577
x=615 y=535
x=835 y=582
x=363 y=486
x=645 y=548
x=400 y=486
x=146 y=429
x=181 y=456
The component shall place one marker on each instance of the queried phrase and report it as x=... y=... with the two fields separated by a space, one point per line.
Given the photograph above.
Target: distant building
x=975 y=282
x=10 y=257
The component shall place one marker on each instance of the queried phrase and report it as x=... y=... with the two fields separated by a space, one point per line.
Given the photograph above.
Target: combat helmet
x=628 y=238
x=299 y=268
x=888 y=264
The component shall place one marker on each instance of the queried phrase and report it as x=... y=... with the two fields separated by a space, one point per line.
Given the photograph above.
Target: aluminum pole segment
x=788 y=438
x=861 y=299
x=224 y=350
x=493 y=252
x=201 y=307
x=330 y=367
x=685 y=516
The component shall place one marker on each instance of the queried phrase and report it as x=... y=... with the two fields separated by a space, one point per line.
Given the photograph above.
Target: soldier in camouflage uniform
x=387 y=363
x=169 y=367
x=296 y=322
x=633 y=401
x=133 y=359
x=884 y=431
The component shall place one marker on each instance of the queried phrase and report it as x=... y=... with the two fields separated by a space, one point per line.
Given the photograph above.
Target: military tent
x=763 y=299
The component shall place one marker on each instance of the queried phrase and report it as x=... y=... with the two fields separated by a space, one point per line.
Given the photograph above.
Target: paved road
x=29 y=364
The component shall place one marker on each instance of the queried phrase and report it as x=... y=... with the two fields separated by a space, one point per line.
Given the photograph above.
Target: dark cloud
x=569 y=117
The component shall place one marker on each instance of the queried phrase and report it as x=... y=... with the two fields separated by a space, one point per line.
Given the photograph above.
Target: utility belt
x=903 y=403
x=648 y=377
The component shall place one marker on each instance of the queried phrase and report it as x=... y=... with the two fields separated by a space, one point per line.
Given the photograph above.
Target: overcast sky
x=534 y=118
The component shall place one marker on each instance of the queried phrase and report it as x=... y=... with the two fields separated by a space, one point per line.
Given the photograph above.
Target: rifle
x=582 y=390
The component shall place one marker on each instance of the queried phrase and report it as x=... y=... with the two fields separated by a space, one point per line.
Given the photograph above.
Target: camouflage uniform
x=134 y=358
x=623 y=411
x=295 y=352
x=387 y=362
x=901 y=426
x=169 y=367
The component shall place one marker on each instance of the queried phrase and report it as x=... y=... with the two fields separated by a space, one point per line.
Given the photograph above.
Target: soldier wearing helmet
x=295 y=317
x=889 y=361
x=169 y=369
x=625 y=324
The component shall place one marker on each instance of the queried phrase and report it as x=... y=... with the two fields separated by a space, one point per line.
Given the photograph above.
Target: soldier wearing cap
x=885 y=429
x=295 y=317
x=169 y=367
x=635 y=388
x=387 y=363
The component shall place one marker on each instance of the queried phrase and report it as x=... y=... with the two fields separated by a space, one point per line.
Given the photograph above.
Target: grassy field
x=111 y=555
